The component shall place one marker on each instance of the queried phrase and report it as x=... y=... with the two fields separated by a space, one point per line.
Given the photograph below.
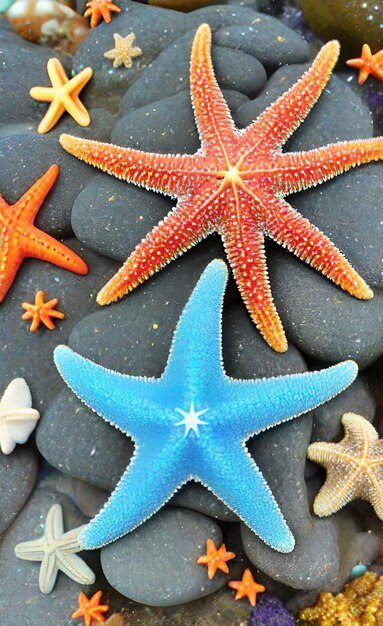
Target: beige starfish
x=56 y=551
x=124 y=50
x=63 y=96
x=354 y=467
x=17 y=418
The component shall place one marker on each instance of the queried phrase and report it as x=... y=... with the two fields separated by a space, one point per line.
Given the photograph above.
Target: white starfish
x=56 y=551
x=17 y=418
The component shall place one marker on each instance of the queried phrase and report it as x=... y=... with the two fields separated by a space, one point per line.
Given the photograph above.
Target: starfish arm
x=43 y=94
x=308 y=243
x=224 y=473
x=75 y=568
x=10 y=261
x=278 y=122
x=51 y=117
x=56 y=73
x=212 y=114
x=244 y=246
x=118 y=398
x=30 y=202
x=195 y=358
x=39 y=245
x=30 y=550
x=169 y=174
x=300 y=170
x=47 y=321
x=253 y=406
x=48 y=573
x=139 y=493
x=77 y=110
x=181 y=229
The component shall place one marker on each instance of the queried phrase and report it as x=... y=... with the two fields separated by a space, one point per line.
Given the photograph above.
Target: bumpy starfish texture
x=63 y=96
x=124 y=50
x=97 y=9
x=90 y=609
x=167 y=453
x=235 y=186
x=19 y=238
x=56 y=551
x=247 y=587
x=41 y=312
x=215 y=558
x=354 y=467
x=17 y=418
x=368 y=64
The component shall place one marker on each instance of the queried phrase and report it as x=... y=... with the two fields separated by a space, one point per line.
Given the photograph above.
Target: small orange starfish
x=90 y=609
x=368 y=64
x=247 y=587
x=98 y=9
x=215 y=559
x=19 y=238
x=41 y=311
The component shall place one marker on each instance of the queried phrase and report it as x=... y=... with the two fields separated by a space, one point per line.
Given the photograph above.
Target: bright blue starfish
x=219 y=415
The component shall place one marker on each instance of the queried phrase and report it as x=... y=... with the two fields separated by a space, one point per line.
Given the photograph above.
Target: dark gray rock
x=168 y=74
x=26 y=157
x=356 y=399
x=198 y=498
x=156 y=563
x=33 y=608
x=29 y=355
x=165 y=126
x=266 y=38
x=18 y=472
x=321 y=319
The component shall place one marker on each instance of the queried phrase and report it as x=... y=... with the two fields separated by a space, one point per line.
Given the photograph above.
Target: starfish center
x=231 y=177
x=191 y=420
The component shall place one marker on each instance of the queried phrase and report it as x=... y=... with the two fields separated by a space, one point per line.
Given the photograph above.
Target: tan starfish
x=354 y=467
x=63 y=96
x=41 y=311
x=124 y=50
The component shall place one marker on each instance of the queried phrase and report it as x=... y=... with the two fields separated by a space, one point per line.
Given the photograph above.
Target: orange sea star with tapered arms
x=235 y=186
x=246 y=587
x=97 y=9
x=368 y=64
x=41 y=312
x=19 y=238
x=90 y=609
x=215 y=558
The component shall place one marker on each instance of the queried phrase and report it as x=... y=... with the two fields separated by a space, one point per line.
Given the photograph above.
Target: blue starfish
x=219 y=415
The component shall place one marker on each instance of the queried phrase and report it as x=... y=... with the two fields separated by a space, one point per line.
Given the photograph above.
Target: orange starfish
x=41 y=311
x=19 y=238
x=235 y=185
x=368 y=64
x=90 y=609
x=98 y=9
x=215 y=559
x=247 y=587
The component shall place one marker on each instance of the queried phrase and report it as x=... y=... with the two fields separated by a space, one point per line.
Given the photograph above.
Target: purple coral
x=269 y=611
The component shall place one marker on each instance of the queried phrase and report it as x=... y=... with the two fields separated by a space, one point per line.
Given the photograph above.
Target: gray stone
x=198 y=498
x=18 y=473
x=156 y=563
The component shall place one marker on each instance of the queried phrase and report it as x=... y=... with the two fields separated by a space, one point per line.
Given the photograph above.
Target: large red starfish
x=235 y=185
x=19 y=238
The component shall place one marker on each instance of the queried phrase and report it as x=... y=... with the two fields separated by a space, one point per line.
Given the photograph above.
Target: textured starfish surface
x=97 y=9
x=124 y=50
x=41 y=312
x=90 y=609
x=56 y=551
x=235 y=186
x=170 y=452
x=63 y=96
x=354 y=467
x=368 y=64
x=17 y=418
x=215 y=558
x=247 y=587
x=19 y=238
x=360 y=604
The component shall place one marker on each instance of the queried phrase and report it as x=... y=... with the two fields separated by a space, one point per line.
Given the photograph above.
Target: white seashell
x=17 y=418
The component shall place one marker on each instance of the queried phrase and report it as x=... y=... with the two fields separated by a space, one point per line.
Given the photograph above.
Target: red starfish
x=234 y=185
x=98 y=9
x=368 y=64
x=90 y=609
x=41 y=311
x=215 y=559
x=20 y=239
x=247 y=587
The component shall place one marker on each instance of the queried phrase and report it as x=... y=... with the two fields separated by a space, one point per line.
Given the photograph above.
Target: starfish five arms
x=235 y=186
x=169 y=451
